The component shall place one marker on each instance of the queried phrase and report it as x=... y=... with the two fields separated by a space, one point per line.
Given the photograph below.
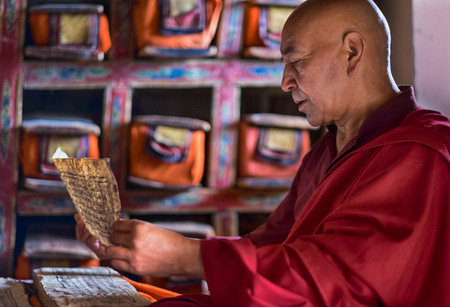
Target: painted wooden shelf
x=119 y=81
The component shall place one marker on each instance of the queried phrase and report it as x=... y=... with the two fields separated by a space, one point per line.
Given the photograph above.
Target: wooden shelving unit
x=123 y=81
x=225 y=86
x=224 y=80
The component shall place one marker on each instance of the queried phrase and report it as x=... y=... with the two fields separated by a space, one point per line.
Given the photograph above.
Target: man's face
x=314 y=72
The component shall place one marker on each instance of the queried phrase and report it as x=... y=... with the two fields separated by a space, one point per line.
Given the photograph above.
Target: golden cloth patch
x=171 y=136
x=277 y=18
x=74 y=29
x=281 y=140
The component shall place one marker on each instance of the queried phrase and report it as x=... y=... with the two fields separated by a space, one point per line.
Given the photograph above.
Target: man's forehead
x=297 y=38
x=308 y=29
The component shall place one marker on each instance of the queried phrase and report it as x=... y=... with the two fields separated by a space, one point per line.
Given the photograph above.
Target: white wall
x=431 y=36
x=398 y=14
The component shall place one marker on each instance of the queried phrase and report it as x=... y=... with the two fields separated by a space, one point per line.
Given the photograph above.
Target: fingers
x=123 y=225
x=122 y=233
x=117 y=252
x=120 y=258
x=127 y=232
x=144 y=249
x=84 y=236
x=121 y=238
x=80 y=229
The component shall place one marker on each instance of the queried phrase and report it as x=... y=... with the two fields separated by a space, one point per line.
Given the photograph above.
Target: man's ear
x=355 y=46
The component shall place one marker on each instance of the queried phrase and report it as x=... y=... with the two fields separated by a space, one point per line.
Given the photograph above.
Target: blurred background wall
x=431 y=39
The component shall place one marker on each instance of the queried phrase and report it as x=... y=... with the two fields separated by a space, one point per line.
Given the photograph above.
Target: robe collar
x=385 y=118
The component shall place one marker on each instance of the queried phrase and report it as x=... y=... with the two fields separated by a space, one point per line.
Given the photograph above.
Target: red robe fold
x=371 y=228
x=376 y=230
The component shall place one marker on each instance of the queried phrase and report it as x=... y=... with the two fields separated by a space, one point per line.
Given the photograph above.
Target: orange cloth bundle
x=167 y=151
x=31 y=152
x=271 y=148
x=262 y=27
x=41 y=136
x=68 y=31
x=148 y=33
x=150 y=292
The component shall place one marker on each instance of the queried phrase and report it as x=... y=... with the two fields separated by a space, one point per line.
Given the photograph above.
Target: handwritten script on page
x=85 y=287
x=94 y=192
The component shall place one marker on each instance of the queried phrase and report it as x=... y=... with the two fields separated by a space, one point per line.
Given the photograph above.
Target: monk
x=367 y=219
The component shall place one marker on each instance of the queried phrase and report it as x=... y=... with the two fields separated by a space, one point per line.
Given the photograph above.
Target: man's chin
x=312 y=121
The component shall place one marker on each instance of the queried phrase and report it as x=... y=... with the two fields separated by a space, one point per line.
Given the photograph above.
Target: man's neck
x=343 y=138
x=348 y=128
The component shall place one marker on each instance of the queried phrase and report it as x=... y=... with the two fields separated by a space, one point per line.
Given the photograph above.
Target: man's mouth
x=300 y=103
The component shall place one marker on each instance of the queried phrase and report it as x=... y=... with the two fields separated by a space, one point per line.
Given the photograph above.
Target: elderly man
x=366 y=221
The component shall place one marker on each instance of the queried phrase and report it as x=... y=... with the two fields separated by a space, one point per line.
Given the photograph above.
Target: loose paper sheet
x=93 y=189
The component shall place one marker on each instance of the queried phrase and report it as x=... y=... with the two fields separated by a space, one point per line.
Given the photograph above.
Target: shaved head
x=335 y=18
x=337 y=68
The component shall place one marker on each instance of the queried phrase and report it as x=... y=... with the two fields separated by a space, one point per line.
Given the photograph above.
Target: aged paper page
x=12 y=293
x=84 y=287
x=94 y=191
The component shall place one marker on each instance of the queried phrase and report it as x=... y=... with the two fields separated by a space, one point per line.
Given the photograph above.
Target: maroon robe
x=369 y=227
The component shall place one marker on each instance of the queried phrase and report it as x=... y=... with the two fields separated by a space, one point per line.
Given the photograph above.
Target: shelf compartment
x=34 y=203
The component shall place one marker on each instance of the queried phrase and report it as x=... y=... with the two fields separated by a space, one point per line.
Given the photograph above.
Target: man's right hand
x=142 y=248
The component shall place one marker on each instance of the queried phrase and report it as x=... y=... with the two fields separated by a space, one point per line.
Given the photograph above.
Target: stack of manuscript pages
x=12 y=293
x=84 y=287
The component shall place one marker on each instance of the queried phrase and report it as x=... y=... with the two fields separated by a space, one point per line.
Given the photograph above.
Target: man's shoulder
x=427 y=119
x=425 y=127
x=429 y=124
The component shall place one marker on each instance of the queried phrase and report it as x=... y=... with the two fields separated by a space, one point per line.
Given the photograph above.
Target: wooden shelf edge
x=189 y=73
x=198 y=200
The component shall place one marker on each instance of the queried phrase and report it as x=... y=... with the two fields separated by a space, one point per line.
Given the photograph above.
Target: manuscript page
x=12 y=293
x=85 y=287
x=94 y=191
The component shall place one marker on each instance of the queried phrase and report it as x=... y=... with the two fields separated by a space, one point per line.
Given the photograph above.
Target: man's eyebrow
x=287 y=50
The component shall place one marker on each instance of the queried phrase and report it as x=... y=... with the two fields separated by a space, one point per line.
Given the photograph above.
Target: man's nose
x=288 y=81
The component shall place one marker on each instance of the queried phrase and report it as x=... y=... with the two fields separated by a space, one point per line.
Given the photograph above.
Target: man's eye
x=297 y=62
x=294 y=63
